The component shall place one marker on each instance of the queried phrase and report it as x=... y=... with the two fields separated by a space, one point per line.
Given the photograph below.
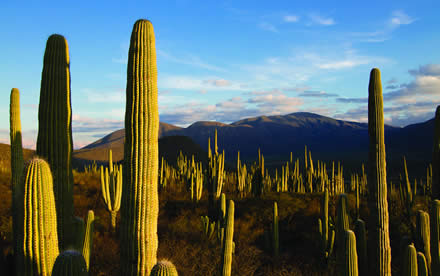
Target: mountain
x=327 y=138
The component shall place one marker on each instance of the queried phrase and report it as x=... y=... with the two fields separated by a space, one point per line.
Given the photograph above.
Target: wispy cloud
x=399 y=17
x=218 y=83
x=396 y=19
x=98 y=96
x=321 y=20
x=268 y=27
x=317 y=94
x=352 y=100
x=189 y=59
x=291 y=18
x=197 y=83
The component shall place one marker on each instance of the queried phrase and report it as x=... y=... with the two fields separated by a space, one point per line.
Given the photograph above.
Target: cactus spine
x=39 y=241
x=435 y=235
x=377 y=190
x=70 y=263
x=227 y=248
x=17 y=165
x=140 y=208
x=111 y=186
x=164 y=268
x=54 y=142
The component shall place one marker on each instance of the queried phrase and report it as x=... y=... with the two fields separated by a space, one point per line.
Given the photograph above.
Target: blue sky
x=227 y=60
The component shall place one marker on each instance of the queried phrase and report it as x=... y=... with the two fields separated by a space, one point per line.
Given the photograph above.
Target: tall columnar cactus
x=111 y=186
x=422 y=267
x=164 y=268
x=361 y=246
x=326 y=229
x=342 y=224
x=435 y=236
x=275 y=231
x=70 y=263
x=409 y=264
x=140 y=208
x=88 y=238
x=377 y=186
x=423 y=236
x=216 y=168
x=228 y=247
x=436 y=158
x=350 y=264
x=17 y=165
x=39 y=240
x=54 y=142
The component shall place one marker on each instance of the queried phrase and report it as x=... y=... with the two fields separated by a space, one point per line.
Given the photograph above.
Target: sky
x=226 y=60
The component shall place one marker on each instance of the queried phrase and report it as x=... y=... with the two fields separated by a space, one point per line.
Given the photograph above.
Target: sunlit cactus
x=228 y=247
x=88 y=238
x=70 y=263
x=350 y=260
x=409 y=264
x=423 y=243
x=435 y=235
x=164 y=268
x=326 y=230
x=17 y=165
x=422 y=267
x=54 y=142
x=111 y=186
x=140 y=202
x=377 y=182
x=275 y=231
x=361 y=246
x=39 y=239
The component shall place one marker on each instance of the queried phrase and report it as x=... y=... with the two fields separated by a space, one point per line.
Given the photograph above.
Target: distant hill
x=277 y=136
x=169 y=148
x=5 y=154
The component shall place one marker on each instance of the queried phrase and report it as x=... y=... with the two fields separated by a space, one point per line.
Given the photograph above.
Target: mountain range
x=328 y=139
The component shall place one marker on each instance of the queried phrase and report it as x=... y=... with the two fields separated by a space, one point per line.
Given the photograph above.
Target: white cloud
x=400 y=18
x=218 y=83
x=291 y=18
x=268 y=27
x=202 y=84
x=320 y=20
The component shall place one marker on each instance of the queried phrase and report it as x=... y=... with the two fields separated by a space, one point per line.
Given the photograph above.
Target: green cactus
x=17 y=165
x=435 y=189
x=88 y=238
x=422 y=267
x=409 y=265
x=111 y=187
x=228 y=246
x=326 y=230
x=54 y=142
x=216 y=166
x=423 y=236
x=361 y=246
x=39 y=240
x=377 y=185
x=350 y=262
x=208 y=228
x=70 y=263
x=164 y=268
x=275 y=231
x=435 y=235
x=140 y=202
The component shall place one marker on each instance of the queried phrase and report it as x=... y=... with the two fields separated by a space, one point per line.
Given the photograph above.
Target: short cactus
x=423 y=243
x=350 y=264
x=422 y=267
x=164 y=268
x=70 y=263
x=435 y=236
x=361 y=246
x=39 y=241
x=409 y=264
